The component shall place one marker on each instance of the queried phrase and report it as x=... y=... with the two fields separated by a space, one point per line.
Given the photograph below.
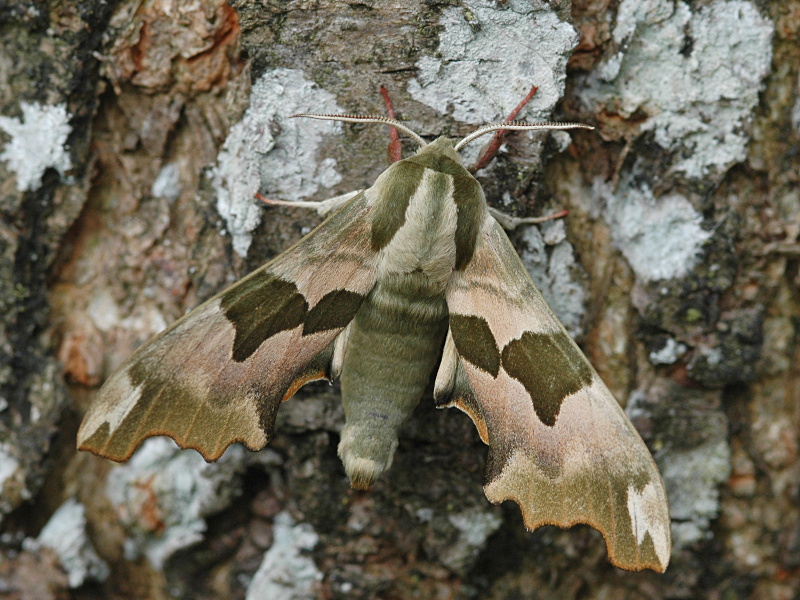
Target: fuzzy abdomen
x=394 y=343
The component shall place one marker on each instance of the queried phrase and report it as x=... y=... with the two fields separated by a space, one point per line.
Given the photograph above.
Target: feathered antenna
x=366 y=119
x=518 y=126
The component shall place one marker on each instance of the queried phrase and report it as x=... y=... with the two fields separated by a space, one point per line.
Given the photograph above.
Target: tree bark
x=134 y=137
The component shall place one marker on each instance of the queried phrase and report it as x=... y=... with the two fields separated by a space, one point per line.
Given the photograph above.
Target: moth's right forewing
x=218 y=375
x=560 y=444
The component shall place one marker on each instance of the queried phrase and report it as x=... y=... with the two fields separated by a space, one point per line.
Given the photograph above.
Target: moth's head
x=443 y=144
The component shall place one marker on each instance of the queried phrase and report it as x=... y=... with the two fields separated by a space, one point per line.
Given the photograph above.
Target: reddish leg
x=490 y=151
x=272 y=202
x=497 y=139
x=394 y=150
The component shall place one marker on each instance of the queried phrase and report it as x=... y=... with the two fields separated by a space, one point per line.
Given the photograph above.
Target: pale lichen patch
x=38 y=142
x=696 y=74
x=661 y=238
x=163 y=496
x=287 y=573
x=65 y=533
x=268 y=152
x=486 y=64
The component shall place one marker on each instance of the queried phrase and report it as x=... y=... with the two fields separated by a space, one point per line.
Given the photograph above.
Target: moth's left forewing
x=560 y=445
x=219 y=374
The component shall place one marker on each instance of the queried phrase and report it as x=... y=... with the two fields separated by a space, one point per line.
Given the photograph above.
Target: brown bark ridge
x=133 y=136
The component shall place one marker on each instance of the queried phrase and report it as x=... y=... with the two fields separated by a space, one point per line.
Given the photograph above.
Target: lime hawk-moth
x=412 y=264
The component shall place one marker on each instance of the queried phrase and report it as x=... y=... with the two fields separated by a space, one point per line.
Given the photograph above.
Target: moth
x=412 y=272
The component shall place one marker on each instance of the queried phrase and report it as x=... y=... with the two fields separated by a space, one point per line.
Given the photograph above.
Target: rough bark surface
x=134 y=135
